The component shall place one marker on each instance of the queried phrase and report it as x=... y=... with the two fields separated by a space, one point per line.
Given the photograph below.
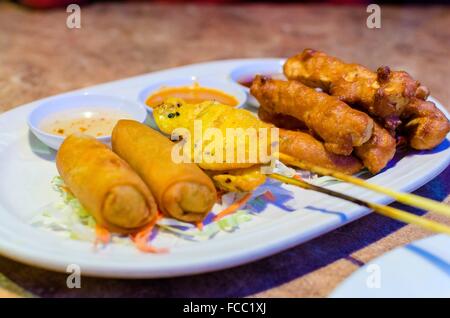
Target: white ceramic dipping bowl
x=228 y=87
x=246 y=72
x=86 y=101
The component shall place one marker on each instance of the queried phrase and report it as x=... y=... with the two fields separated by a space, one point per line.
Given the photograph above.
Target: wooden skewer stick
x=406 y=198
x=388 y=211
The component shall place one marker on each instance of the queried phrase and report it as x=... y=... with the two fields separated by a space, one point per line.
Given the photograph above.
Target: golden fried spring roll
x=182 y=190
x=105 y=185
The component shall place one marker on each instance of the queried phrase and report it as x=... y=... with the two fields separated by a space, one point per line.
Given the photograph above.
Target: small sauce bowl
x=243 y=75
x=71 y=111
x=183 y=85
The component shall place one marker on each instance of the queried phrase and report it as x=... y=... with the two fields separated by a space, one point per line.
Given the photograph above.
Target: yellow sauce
x=95 y=121
x=191 y=94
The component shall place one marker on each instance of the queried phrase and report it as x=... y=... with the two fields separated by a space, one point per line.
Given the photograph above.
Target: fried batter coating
x=383 y=94
x=375 y=153
x=378 y=150
x=280 y=120
x=394 y=97
x=340 y=126
x=425 y=125
x=305 y=147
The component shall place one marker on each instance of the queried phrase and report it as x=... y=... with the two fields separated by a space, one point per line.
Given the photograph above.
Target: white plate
x=419 y=269
x=27 y=166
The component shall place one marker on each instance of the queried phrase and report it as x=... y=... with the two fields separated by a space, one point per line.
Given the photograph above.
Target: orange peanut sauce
x=191 y=94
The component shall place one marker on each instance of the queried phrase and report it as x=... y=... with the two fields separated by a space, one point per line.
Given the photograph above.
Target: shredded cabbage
x=227 y=224
x=69 y=218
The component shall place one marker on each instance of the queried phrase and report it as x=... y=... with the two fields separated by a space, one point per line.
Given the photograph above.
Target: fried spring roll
x=105 y=185
x=337 y=124
x=182 y=190
x=383 y=94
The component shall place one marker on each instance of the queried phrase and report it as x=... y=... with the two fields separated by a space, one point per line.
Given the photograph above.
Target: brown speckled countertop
x=40 y=56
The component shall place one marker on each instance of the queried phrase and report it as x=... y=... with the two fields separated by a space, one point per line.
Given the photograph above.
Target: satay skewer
x=406 y=198
x=387 y=211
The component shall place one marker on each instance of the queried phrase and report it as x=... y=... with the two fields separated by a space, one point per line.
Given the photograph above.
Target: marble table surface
x=40 y=56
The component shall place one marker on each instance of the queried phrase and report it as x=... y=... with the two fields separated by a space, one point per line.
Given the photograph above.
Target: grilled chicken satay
x=392 y=96
x=197 y=119
x=375 y=153
x=337 y=124
x=238 y=180
x=295 y=144
x=383 y=94
x=175 y=113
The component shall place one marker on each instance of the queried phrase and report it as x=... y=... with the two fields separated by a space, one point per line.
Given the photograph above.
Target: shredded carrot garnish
x=102 y=235
x=269 y=196
x=141 y=238
x=233 y=207
x=199 y=225
x=143 y=246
